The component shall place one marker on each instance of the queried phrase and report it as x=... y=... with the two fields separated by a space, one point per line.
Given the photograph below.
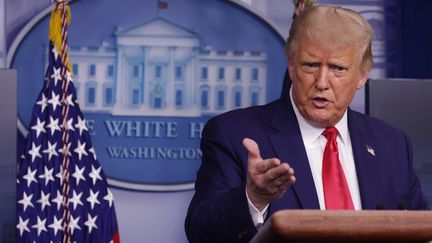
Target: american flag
x=58 y=203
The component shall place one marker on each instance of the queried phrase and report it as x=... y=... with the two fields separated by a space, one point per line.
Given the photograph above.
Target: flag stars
x=80 y=150
x=76 y=199
x=68 y=126
x=56 y=75
x=109 y=197
x=60 y=175
x=34 y=151
x=73 y=224
x=55 y=52
x=58 y=200
x=92 y=199
x=78 y=174
x=95 y=174
x=40 y=226
x=69 y=100
x=53 y=125
x=44 y=200
x=47 y=175
x=51 y=150
x=69 y=76
x=42 y=102
x=56 y=225
x=30 y=176
x=92 y=150
x=65 y=150
x=26 y=201
x=81 y=125
x=54 y=101
x=39 y=127
x=91 y=223
x=22 y=226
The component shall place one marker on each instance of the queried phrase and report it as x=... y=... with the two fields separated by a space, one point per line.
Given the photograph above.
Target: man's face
x=325 y=77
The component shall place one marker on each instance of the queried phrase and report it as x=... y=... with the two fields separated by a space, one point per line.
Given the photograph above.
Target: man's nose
x=322 y=78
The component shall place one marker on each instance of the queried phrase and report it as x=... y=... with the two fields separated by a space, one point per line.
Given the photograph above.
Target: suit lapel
x=367 y=168
x=288 y=144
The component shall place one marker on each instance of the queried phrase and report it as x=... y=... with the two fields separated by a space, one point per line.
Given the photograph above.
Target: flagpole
x=62 y=5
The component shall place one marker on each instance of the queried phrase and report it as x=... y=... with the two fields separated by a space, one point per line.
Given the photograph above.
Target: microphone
x=402 y=206
x=380 y=206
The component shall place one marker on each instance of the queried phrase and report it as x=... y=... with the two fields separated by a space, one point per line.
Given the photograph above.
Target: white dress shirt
x=314 y=143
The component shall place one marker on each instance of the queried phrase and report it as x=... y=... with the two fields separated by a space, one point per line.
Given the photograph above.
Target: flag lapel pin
x=370 y=150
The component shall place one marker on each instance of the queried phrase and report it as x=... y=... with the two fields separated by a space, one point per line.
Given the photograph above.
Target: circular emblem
x=149 y=76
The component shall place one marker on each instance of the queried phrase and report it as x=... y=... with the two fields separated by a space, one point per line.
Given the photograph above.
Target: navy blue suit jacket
x=219 y=211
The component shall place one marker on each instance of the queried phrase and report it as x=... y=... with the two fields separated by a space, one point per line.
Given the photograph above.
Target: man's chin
x=322 y=120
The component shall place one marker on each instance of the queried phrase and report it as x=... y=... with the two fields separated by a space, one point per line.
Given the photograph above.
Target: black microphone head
x=380 y=206
x=403 y=206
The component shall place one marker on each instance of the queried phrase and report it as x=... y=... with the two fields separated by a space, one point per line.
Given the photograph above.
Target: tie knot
x=330 y=133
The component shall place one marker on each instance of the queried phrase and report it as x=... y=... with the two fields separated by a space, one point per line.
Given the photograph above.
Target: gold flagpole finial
x=301 y=5
x=60 y=19
x=61 y=3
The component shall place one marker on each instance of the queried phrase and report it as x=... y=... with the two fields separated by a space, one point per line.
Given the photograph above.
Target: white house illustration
x=159 y=68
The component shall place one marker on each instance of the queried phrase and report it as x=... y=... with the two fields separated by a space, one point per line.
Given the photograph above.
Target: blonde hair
x=335 y=23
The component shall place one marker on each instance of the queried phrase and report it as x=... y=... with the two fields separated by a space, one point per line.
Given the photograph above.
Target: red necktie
x=336 y=191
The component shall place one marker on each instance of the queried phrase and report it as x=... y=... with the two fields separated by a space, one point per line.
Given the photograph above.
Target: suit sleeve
x=416 y=198
x=219 y=211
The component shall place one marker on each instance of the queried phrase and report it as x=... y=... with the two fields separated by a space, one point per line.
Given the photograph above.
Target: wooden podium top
x=366 y=225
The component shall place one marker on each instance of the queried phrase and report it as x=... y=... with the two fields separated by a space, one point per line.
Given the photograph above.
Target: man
x=342 y=159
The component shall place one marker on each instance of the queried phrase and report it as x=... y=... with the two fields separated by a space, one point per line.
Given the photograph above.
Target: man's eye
x=338 y=68
x=310 y=65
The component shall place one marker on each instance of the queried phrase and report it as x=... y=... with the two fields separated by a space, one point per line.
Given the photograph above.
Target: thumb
x=252 y=148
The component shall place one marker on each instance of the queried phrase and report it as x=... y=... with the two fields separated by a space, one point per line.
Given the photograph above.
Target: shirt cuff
x=257 y=216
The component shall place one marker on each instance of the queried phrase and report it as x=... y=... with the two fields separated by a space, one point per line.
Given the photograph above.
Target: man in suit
x=307 y=150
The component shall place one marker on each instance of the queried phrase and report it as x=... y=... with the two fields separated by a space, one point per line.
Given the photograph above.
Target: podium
x=346 y=226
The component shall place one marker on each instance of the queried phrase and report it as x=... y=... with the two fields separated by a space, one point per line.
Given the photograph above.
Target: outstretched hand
x=267 y=179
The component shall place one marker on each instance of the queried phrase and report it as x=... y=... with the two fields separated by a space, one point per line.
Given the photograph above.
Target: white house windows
x=157 y=98
x=158 y=71
x=91 y=93
x=136 y=71
x=204 y=97
x=75 y=69
x=220 y=97
x=255 y=95
x=238 y=74
x=255 y=98
x=204 y=73
x=108 y=94
x=110 y=71
x=221 y=73
x=135 y=97
x=237 y=96
x=165 y=80
x=179 y=72
x=254 y=74
x=92 y=70
x=157 y=102
x=179 y=98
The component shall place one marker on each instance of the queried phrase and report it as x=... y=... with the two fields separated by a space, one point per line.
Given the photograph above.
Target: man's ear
x=363 y=79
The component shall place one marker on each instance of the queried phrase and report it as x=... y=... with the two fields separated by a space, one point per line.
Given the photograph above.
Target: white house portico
x=159 y=68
